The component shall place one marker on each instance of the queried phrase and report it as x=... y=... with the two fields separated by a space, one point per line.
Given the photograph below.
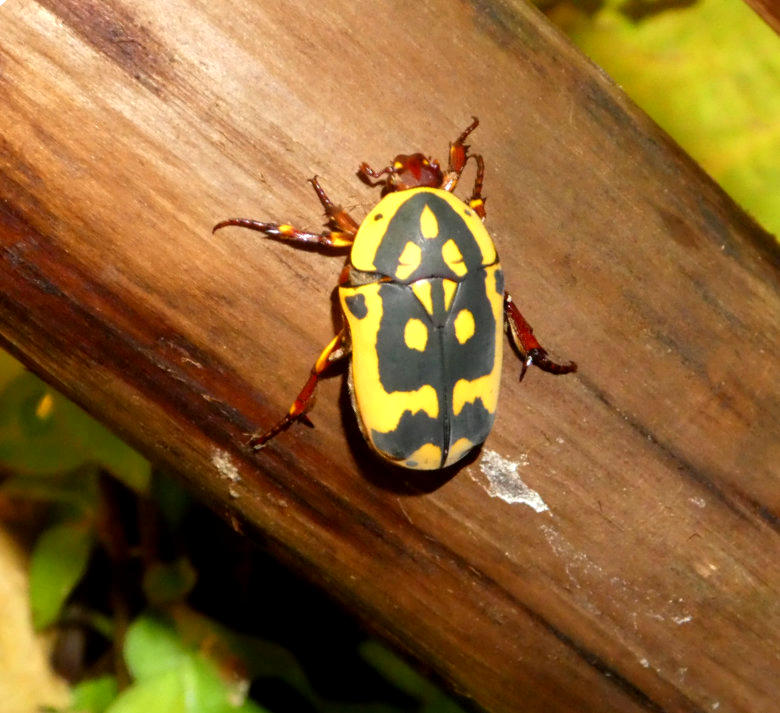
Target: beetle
x=424 y=305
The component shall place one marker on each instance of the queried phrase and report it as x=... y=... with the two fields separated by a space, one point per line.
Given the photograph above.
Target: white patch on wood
x=682 y=619
x=587 y=576
x=227 y=470
x=504 y=481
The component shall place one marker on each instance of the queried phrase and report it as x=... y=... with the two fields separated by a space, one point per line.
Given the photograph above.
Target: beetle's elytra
x=425 y=308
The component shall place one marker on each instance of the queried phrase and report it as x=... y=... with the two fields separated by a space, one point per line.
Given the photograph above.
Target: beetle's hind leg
x=340 y=233
x=522 y=335
x=336 y=349
x=459 y=157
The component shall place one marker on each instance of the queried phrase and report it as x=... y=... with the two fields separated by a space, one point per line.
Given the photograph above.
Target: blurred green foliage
x=707 y=71
x=114 y=524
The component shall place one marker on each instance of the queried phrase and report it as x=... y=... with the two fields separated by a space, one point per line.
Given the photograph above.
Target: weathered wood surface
x=769 y=10
x=651 y=582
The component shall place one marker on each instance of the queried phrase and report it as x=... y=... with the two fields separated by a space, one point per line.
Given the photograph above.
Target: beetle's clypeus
x=423 y=298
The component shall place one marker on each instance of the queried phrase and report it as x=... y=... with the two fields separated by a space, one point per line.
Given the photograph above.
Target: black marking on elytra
x=499 y=282
x=357 y=305
x=473 y=422
x=442 y=362
x=414 y=430
x=404 y=227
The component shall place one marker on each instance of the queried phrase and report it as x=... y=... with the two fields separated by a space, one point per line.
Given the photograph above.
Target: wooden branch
x=646 y=578
x=768 y=10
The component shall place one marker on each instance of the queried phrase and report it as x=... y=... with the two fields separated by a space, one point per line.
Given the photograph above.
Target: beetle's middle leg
x=459 y=157
x=340 y=233
x=522 y=335
x=336 y=349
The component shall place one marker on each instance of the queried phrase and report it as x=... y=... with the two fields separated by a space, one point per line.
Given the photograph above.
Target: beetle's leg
x=459 y=157
x=371 y=177
x=522 y=335
x=477 y=200
x=342 y=235
x=337 y=216
x=459 y=152
x=336 y=349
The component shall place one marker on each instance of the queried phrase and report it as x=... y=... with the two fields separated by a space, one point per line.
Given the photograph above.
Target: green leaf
x=166 y=583
x=152 y=647
x=397 y=671
x=10 y=368
x=268 y=659
x=709 y=74
x=93 y=695
x=76 y=490
x=164 y=692
x=185 y=682
x=58 y=562
x=41 y=432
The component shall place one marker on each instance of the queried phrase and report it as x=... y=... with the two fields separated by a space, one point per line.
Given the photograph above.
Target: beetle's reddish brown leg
x=477 y=200
x=336 y=349
x=522 y=335
x=458 y=149
x=459 y=157
x=337 y=216
x=341 y=237
x=371 y=177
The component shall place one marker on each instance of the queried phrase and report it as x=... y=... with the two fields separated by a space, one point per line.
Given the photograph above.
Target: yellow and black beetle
x=423 y=296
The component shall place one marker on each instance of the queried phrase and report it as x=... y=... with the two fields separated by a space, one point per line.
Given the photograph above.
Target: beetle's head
x=405 y=172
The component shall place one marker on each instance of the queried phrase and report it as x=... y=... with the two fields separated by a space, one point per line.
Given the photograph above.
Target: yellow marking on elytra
x=429 y=226
x=464 y=326
x=409 y=261
x=372 y=231
x=286 y=229
x=397 y=165
x=416 y=335
x=458 y=450
x=379 y=410
x=422 y=291
x=449 y=291
x=454 y=258
x=484 y=387
x=427 y=457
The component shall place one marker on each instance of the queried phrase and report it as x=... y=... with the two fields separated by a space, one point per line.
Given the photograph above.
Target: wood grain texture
x=651 y=582
x=768 y=10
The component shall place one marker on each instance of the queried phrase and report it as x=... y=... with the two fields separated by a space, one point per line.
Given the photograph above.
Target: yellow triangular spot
x=449 y=287
x=409 y=261
x=453 y=258
x=429 y=226
x=422 y=291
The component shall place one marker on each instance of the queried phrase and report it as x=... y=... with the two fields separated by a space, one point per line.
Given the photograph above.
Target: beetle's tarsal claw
x=540 y=359
x=526 y=363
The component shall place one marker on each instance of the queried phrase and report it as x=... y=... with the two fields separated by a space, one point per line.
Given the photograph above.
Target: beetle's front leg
x=336 y=349
x=342 y=236
x=459 y=157
x=522 y=335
